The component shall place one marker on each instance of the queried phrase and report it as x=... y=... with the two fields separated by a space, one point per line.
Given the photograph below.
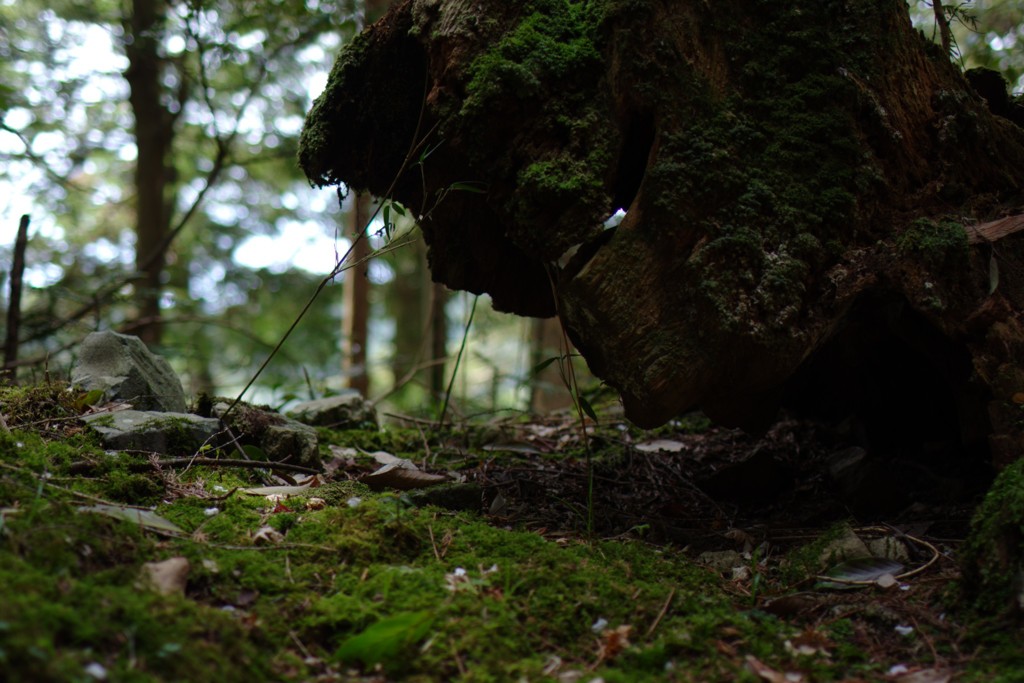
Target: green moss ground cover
x=361 y=585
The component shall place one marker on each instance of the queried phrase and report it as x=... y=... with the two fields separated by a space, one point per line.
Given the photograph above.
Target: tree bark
x=154 y=133
x=799 y=178
x=10 y=372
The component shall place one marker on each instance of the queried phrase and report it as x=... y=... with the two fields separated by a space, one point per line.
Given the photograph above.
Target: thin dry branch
x=233 y=462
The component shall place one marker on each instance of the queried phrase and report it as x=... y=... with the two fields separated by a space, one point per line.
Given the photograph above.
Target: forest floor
x=690 y=553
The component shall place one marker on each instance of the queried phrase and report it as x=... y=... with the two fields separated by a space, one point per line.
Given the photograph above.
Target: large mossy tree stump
x=802 y=181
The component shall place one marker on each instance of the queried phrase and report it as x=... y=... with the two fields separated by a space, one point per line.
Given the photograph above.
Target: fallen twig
x=994 y=230
x=232 y=462
x=662 y=613
x=433 y=543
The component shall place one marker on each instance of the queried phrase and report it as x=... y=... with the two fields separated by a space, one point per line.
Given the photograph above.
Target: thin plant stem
x=414 y=147
x=568 y=374
x=458 y=361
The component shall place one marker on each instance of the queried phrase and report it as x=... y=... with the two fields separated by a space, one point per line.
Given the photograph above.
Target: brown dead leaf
x=613 y=642
x=282 y=491
x=809 y=642
x=267 y=535
x=167 y=577
x=791 y=605
x=385 y=458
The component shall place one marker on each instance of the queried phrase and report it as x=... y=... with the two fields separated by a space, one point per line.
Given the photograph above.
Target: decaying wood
x=796 y=177
x=995 y=230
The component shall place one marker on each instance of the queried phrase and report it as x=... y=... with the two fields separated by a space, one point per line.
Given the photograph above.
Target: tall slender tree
x=155 y=117
x=356 y=317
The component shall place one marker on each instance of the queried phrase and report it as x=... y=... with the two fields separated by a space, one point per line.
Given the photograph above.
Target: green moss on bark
x=993 y=558
x=938 y=244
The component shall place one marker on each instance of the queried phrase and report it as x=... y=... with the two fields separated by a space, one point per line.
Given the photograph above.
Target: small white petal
x=96 y=670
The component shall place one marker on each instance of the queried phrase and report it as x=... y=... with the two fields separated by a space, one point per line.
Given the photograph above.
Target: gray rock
x=280 y=438
x=178 y=434
x=125 y=370
x=722 y=561
x=348 y=410
x=292 y=442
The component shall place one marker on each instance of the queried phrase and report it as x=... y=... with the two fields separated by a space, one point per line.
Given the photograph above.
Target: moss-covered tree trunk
x=799 y=178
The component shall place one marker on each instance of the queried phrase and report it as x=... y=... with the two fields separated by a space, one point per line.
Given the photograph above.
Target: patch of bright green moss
x=553 y=43
x=993 y=560
x=338 y=571
x=38 y=403
x=392 y=440
x=133 y=488
x=939 y=244
x=71 y=598
x=545 y=68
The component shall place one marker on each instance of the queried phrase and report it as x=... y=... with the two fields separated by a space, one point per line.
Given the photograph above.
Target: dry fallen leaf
x=284 y=491
x=167 y=577
x=613 y=641
x=927 y=676
x=267 y=535
x=146 y=518
x=808 y=643
x=660 y=445
x=385 y=458
x=397 y=477
x=766 y=673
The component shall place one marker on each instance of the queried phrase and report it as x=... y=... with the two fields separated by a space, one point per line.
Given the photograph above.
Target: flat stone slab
x=176 y=434
x=281 y=439
x=348 y=410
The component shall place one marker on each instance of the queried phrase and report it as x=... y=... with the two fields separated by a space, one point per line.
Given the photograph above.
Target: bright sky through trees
x=88 y=53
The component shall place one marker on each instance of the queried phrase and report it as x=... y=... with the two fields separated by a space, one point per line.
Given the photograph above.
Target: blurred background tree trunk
x=154 y=134
x=548 y=390
x=438 y=335
x=356 y=316
x=409 y=302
